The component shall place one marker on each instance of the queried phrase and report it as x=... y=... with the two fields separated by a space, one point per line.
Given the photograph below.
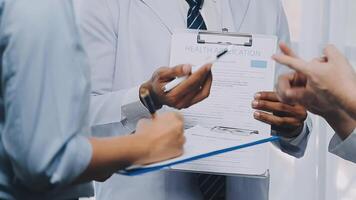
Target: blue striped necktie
x=212 y=186
x=195 y=19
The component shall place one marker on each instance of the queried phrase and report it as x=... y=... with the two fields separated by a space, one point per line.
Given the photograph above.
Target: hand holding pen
x=182 y=86
x=193 y=90
x=147 y=100
x=164 y=133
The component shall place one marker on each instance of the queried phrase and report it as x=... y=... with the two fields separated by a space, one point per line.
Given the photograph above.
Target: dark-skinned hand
x=193 y=90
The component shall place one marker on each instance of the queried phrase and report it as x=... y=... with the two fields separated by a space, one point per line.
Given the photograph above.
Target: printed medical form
x=227 y=112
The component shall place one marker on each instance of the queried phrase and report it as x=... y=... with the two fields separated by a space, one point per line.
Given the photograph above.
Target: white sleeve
x=112 y=111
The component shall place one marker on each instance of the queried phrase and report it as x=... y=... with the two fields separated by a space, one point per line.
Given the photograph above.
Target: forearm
x=341 y=122
x=349 y=104
x=113 y=154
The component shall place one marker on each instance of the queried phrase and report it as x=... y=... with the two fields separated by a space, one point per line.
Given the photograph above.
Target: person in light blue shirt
x=45 y=148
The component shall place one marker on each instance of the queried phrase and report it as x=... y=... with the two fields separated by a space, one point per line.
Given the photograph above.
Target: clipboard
x=247 y=69
x=140 y=170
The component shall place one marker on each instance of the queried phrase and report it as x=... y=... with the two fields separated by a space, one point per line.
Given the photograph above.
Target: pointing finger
x=294 y=63
x=286 y=50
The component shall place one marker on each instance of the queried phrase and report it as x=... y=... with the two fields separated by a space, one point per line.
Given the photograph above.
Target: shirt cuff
x=296 y=141
x=74 y=162
x=345 y=149
x=132 y=109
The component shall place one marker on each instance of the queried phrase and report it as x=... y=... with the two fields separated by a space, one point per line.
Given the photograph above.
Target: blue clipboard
x=144 y=170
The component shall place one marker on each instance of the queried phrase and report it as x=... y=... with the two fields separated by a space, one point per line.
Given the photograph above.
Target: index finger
x=293 y=63
x=286 y=50
x=177 y=71
x=194 y=80
x=268 y=96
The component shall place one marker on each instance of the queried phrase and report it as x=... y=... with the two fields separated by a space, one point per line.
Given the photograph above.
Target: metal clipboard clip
x=224 y=38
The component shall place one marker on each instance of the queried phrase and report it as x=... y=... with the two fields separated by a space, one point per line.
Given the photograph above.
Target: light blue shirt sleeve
x=345 y=149
x=46 y=92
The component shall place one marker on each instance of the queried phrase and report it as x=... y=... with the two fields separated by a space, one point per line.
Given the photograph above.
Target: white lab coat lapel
x=167 y=11
x=233 y=13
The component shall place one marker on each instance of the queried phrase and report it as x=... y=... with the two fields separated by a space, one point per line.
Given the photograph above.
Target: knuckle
x=173 y=101
x=280 y=122
x=304 y=115
x=262 y=95
x=160 y=71
x=261 y=116
x=262 y=104
x=283 y=107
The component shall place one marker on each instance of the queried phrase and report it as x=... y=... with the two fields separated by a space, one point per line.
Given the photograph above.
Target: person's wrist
x=295 y=133
x=149 y=86
x=341 y=122
x=345 y=100
x=143 y=144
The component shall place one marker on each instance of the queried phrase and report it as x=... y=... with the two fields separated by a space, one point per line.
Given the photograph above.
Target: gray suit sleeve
x=345 y=149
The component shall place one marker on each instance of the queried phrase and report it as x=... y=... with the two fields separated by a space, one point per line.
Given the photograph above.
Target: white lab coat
x=126 y=41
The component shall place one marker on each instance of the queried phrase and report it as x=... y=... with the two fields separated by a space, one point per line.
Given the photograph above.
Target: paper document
x=237 y=77
x=205 y=145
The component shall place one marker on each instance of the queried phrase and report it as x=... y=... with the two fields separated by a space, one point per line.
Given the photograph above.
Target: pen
x=211 y=60
x=147 y=101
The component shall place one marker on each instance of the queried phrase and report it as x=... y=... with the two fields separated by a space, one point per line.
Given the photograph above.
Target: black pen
x=148 y=101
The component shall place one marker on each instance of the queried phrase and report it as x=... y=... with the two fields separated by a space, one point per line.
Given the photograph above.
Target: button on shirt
x=44 y=101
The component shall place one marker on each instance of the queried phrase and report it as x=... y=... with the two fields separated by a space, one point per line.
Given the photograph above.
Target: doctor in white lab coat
x=128 y=40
